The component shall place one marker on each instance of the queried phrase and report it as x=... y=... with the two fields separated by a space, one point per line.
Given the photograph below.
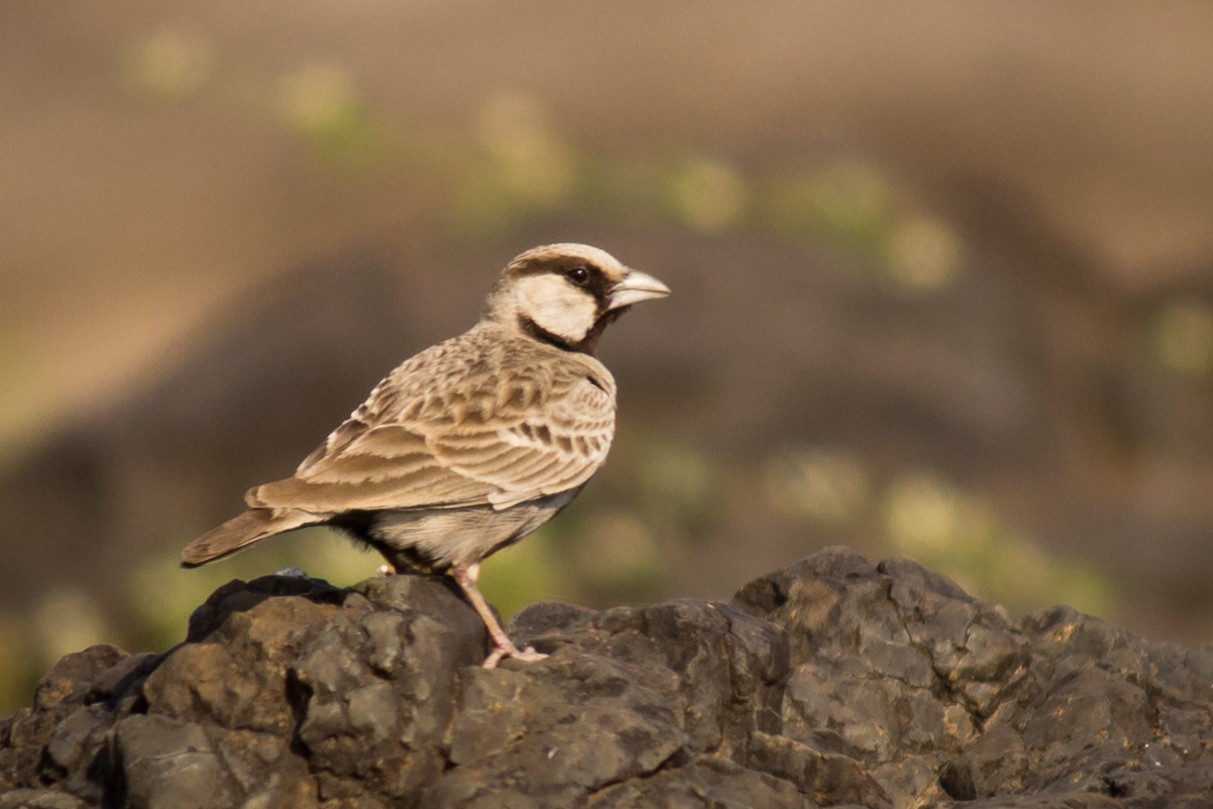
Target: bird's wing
x=475 y=440
x=543 y=451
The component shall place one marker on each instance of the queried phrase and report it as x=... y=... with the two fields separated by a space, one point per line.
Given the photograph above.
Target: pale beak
x=635 y=287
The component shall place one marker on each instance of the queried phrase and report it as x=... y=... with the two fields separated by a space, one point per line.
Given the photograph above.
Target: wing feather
x=500 y=422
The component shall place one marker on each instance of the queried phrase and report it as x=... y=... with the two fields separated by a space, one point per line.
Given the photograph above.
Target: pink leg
x=465 y=577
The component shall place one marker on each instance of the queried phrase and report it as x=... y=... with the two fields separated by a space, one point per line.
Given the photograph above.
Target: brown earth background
x=942 y=279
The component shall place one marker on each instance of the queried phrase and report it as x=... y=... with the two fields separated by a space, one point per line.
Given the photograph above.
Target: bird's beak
x=635 y=287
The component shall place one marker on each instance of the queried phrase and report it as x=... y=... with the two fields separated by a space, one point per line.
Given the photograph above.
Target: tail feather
x=252 y=526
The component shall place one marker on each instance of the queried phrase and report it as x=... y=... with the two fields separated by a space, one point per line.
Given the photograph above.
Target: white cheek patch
x=556 y=306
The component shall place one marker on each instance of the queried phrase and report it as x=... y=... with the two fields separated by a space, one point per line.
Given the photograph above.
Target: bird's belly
x=452 y=536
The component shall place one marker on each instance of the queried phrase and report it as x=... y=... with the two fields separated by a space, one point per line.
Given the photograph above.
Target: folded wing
x=470 y=445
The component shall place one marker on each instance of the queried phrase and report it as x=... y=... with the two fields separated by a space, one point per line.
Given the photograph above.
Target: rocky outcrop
x=834 y=682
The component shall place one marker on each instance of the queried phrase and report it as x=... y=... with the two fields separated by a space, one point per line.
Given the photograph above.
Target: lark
x=474 y=443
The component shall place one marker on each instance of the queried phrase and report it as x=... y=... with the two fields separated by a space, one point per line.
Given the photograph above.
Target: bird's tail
x=252 y=526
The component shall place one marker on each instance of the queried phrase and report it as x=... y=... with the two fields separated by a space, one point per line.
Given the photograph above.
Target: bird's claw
x=527 y=655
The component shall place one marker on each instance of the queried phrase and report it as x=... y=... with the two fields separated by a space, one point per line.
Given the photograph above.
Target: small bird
x=472 y=444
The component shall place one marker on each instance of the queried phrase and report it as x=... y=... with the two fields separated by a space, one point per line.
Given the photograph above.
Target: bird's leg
x=465 y=577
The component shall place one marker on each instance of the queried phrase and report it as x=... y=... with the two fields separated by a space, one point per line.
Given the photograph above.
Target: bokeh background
x=942 y=272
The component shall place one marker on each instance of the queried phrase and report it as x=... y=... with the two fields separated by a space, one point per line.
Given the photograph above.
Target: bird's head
x=566 y=294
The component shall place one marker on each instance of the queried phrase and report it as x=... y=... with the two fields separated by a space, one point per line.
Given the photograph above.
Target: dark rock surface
x=834 y=682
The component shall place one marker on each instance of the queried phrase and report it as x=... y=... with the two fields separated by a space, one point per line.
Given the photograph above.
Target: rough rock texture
x=834 y=682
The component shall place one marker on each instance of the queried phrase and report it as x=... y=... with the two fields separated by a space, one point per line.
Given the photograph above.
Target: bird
x=472 y=444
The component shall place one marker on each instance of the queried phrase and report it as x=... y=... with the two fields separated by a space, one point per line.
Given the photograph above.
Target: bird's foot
x=528 y=655
x=465 y=577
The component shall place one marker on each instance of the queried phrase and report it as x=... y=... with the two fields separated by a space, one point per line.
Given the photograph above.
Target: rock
x=834 y=682
x=169 y=764
x=39 y=799
x=626 y=694
x=944 y=699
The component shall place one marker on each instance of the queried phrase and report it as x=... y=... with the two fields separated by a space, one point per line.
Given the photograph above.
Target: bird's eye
x=578 y=276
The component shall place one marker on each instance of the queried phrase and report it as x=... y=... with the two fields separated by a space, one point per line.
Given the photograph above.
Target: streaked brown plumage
x=474 y=443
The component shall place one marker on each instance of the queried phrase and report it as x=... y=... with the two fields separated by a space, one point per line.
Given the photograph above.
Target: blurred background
x=943 y=287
